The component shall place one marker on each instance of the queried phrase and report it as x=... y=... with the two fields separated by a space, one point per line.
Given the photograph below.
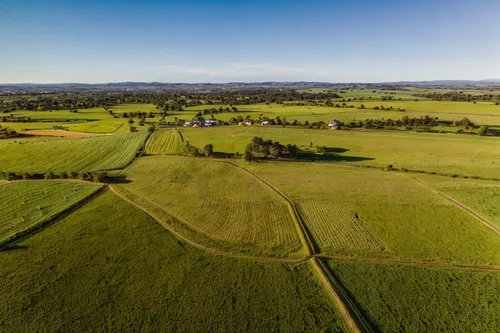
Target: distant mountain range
x=251 y=85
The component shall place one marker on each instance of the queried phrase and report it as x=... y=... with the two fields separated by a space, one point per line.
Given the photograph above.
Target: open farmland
x=25 y=204
x=168 y=141
x=108 y=267
x=69 y=155
x=362 y=211
x=216 y=199
x=447 y=153
x=483 y=197
x=439 y=300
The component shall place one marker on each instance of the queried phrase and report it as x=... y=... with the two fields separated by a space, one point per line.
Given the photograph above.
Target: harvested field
x=216 y=199
x=167 y=141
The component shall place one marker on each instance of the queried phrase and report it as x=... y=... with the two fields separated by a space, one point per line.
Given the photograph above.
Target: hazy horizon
x=218 y=41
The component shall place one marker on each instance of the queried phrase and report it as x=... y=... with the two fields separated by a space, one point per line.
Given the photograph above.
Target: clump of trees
x=6 y=133
x=260 y=148
x=95 y=176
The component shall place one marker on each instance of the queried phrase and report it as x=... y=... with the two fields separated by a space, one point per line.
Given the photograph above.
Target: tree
x=276 y=149
x=292 y=150
x=99 y=176
x=247 y=155
x=483 y=130
x=49 y=175
x=208 y=149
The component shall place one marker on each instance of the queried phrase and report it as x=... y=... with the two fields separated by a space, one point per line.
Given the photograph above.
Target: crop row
x=165 y=142
x=334 y=226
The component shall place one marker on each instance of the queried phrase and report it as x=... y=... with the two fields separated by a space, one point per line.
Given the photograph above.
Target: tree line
x=95 y=176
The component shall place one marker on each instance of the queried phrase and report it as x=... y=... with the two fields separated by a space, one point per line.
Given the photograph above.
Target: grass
x=481 y=196
x=68 y=155
x=416 y=299
x=108 y=267
x=358 y=212
x=26 y=204
x=168 y=141
x=215 y=200
x=447 y=153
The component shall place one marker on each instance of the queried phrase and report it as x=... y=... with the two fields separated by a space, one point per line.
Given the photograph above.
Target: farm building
x=264 y=123
x=335 y=124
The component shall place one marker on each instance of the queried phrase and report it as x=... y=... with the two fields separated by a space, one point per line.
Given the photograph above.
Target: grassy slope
x=100 y=153
x=167 y=141
x=411 y=221
x=432 y=152
x=415 y=299
x=217 y=199
x=108 y=267
x=24 y=204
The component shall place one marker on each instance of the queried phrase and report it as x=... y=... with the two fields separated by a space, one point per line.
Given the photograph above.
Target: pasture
x=69 y=155
x=217 y=201
x=483 y=197
x=27 y=203
x=109 y=267
x=447 y=153
x=367 y=212
x=167 y=141
x=438 y=299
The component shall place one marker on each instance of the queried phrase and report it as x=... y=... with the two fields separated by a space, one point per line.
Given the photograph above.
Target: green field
x=483 y=197
x=69 y=155
x=166 y=141
x=27 y=203
x=362 y=211
x=447 y=153
x=108 y=267
x=215 y=200
x=397 y=298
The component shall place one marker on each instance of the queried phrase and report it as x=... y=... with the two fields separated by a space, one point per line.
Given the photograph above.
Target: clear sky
x=47 y=41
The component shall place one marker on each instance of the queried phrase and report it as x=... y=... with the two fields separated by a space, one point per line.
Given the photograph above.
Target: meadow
x=483 y=197
x=108 y=267
x=447 y=153
x=27 y=203
x=399 y=298
x=368 y=212
x=216 y=200
x=69 y=155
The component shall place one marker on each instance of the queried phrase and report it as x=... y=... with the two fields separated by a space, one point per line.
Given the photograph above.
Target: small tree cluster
x=96 y=176
x=259 y=147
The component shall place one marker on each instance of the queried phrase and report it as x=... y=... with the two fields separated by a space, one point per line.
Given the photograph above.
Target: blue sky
x=224 y=41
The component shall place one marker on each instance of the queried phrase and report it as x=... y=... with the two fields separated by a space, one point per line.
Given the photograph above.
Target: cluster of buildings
x=196 y=123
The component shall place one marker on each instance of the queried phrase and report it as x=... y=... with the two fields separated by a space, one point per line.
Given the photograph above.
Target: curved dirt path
x=459 y=205
x=204 y=248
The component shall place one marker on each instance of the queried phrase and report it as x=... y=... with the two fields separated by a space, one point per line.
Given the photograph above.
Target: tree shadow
x=311 y=156
x=120 y=179
x=336 y=150
x=220 y=154
x=13 y=247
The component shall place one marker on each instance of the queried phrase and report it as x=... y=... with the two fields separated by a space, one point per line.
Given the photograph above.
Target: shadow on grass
x=13 y=247
x=120 y=179
x=335 y=150
x=219 y=154
x=311 y=156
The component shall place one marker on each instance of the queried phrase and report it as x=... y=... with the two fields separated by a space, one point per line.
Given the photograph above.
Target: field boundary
x=408 y=262
x=204 y=248
x=26 y=233
x=337 y=294
x=459 y=205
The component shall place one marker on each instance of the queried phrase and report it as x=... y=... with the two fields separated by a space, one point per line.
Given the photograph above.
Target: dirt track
x=62 y=134
x=461 y=206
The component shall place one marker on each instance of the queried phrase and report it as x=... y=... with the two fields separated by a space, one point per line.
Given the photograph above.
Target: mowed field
x=398 y=298
x=447 y=153
x=215 y=199
x=108 y=267
x=167 y=141
x=369 y=212
x=69 y=155
x=25 y=204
